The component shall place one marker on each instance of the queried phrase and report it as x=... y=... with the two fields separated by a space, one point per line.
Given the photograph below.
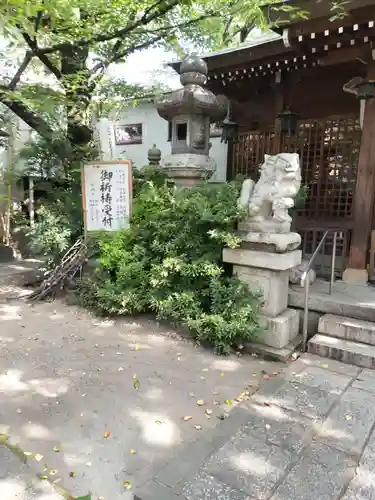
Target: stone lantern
x=190 y=110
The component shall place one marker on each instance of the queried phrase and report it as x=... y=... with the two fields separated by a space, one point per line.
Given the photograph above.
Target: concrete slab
x=365 y=381
x=353 y=353
x=308 y=401
x=206 y=487
x=322 y=473
x=279 y=427
x=249 y=465
x=347 y=328
x=347 y=299
x=362 y=487
x=350 y=422
x=316 y=377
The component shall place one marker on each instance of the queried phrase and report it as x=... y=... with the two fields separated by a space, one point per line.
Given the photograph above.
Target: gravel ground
x=99 y=405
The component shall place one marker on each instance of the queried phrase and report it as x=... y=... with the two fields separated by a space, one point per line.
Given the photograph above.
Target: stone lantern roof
x=192 y=98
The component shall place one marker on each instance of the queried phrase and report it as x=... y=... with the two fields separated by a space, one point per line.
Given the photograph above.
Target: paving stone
x=318 y=378
x=279 y=427
x=249 y=464
x=350 y=422
x=365 y=381
x=329 y=364
x=322 y=474
x=362 y=487
x=309 y=401
x=206 y=487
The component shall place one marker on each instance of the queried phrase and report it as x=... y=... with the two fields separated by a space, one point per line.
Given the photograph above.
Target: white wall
x=155 y=131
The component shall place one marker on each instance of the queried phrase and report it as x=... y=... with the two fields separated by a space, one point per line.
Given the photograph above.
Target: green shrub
x=169 y=262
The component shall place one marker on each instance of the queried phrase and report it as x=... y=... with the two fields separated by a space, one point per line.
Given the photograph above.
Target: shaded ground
x=67 y=393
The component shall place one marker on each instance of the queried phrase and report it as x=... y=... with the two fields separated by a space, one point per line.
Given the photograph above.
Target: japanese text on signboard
x=107 y=196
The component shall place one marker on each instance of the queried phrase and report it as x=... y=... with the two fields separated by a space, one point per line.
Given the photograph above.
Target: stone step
x=347 y=328
x=347 y=351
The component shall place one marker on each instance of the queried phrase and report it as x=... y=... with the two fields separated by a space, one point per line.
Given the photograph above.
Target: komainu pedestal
x=269 y=273
x=269 y=249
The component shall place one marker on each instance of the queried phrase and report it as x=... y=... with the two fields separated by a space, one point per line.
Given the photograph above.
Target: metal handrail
x=306 y=280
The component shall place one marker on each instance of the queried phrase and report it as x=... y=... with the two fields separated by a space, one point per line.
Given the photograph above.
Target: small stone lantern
x=191 y=109
x=154 y=155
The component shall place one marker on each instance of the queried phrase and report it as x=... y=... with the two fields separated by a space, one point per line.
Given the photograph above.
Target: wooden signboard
x=106 y=195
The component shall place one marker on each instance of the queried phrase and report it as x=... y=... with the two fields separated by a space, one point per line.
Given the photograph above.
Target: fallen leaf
x=324 y=366
x=228 y=402
x=38 y=457
x=222 y=374
x=56 y=449
x=53 y=472
x=127 y=485
x=187 y=418
x=72 y=474
x=132 y=452
x=200 y=402
x=159 y=422
x=107 y=434
x=43 y=478
x=3 y=438
x=136 y=384
x=137 y=347
x=198 y=427
x=27 y=348
x=19 y=410
x=208 y=412
x=348 y=417
x=28 y=453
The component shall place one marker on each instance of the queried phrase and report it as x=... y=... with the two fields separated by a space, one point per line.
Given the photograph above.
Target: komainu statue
x=269 y=200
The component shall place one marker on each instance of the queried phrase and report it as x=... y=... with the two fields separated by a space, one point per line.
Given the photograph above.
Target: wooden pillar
x=279 y=107
x=364 y=200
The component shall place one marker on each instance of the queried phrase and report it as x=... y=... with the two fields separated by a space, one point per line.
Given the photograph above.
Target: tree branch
x=126 y=52
x=143 y=21
x=26 y=114
x=42 y=57
x=21 y=69
x=166 y=30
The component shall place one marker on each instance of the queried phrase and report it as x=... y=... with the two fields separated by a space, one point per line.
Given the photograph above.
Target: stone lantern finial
x=191 y=109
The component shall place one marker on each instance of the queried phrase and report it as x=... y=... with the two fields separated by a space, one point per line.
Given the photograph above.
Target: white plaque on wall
x=106 y=195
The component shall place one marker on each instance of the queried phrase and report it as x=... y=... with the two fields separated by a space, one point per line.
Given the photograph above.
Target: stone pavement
x=307 y=434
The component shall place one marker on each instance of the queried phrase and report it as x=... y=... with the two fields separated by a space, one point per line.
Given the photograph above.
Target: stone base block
x=274 y=353
x=272 y=242
x=266 y=272
x=264 y=260
x=359 y=276
x=272 y=284
x=281 y=330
